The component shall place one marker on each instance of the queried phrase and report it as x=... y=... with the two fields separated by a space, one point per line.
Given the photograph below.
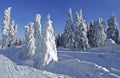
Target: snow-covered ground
x=101 y=62
x=9 y=69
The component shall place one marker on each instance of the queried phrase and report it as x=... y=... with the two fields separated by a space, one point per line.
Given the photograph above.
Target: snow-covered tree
x=113 y=31
x=99 y=34
x=81 y=40
x=49 y=47
x=80 y=15
x=83 y=37
x=13 y=33
x=91 y=33
x=38 y=37
x=69 y=31
x=76 y=32
x=96 y=33
x=9 y=30
x=29 y=41
x=25 y=45
x=6 y=28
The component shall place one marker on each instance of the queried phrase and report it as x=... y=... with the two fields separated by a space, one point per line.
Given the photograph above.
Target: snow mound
x=10 y=70
x=106 y=49
x=80 y=69
x=109 y=42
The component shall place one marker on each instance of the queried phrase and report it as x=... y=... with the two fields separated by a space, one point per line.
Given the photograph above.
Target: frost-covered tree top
x=81 y=15
x=37 y=24
x=69 y=18
x=77 y=17
x=6 y=21
x=49 y=22
x=48 y=19
x=69 y=21
x=68 y=31
x=7 y=14
x=38 y=18
x=7 y=11
x=112 y=22
x=49 y=28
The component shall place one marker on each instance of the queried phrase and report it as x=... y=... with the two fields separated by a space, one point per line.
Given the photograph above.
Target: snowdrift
x=10 y=70
x=71 y=64
x=80 y=69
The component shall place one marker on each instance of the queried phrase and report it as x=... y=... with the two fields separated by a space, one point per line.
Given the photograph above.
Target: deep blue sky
x=23 y=11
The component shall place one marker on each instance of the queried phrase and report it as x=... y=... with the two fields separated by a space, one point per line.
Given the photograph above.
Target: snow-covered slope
x=81 y=69
x=10 y=70
x=71 y=64
x=108 y=56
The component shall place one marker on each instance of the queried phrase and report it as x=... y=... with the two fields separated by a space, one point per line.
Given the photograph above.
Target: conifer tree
x=99 y=34
x=29 y=41
x=38 y=36
x=113 y=31
x=6 y=28
x=49 y=47
x=81 y=40
x=69 y=31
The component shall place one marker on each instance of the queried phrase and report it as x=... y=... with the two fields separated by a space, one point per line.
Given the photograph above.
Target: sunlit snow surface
x=101 y=62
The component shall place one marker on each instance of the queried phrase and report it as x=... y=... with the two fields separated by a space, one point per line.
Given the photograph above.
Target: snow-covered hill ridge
x=10 y=70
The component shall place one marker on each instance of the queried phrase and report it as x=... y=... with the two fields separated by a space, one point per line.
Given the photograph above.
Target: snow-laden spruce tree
x=38 y=37
x=69 y=31
x=83 y=36
x=25 y=45
x=49 y=47
x=76 y=28
x=99 y=34
x=12 y=34
x=6 y=28
x=81 y=40
x=90 y=34
x=113 y=31
x=29 y=41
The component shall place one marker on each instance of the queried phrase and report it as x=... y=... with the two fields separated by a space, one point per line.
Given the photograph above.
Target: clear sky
x=23 y=11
